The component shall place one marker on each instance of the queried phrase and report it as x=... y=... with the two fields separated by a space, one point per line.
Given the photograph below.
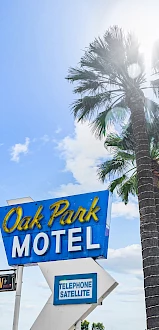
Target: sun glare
x=147 y=34
x=142 y=19
x=147 y=39
x=134 y=70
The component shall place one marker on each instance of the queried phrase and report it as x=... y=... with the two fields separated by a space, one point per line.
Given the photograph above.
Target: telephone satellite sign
x=75 y=289
x=56 y=229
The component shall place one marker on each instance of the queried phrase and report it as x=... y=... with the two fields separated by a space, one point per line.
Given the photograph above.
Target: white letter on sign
x=18 y=250
x=58 y=234
x=91 y=246
x=45 y=246
x=72 y=239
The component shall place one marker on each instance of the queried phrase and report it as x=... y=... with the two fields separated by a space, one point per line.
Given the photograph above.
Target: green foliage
x=103 y=84
x=84 y=107
x=128 y=187
x=105 y=118
x=95 y=326
x=123 y=163
x=98 y=326
x=85 y=325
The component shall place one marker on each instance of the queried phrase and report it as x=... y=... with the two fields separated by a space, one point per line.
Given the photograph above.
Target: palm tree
x=111 y=74
x=123 y=164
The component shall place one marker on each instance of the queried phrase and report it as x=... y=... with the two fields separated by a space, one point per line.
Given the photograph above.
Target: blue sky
x=45 y=154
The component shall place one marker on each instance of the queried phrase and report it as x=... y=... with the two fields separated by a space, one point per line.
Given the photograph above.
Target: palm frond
x=152 y=109
x=115 y=166
x=112 y=55
x=96 y=63
x=76 y=74
x=113 y=113
x=89 y=86
x=121 y=142
x=123 y=149
x=127 y=188
x=125 y=155
x=83 y=109
x=154 y=150
x=98 y=124
x=115 y=183
x=102 y=79
x=99 y=56
x=118 y=113
x=155 y=85
x=128 y=142
x=152 y=116
x=113 y=140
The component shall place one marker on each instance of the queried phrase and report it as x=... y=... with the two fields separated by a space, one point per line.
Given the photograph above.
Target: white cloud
x=18 y=149
x=129 y=211
x=81 y=153
x=58 y=130
x=34 y=140
x=125 y=260
x=45 y=138
x=130 y=291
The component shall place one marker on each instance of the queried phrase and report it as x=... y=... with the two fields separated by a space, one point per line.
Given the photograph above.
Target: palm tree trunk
x=156 y=192
x=148 y=226
x=155 y=171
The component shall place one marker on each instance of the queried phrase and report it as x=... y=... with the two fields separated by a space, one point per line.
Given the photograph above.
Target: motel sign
x=57 y=229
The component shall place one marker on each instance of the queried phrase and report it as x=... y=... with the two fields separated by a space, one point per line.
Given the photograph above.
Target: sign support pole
x=78 y=325
x=19 y=271
x=17 y=297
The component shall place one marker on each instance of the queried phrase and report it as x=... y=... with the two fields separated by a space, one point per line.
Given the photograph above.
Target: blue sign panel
x=56 y=229
x=75 y=289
